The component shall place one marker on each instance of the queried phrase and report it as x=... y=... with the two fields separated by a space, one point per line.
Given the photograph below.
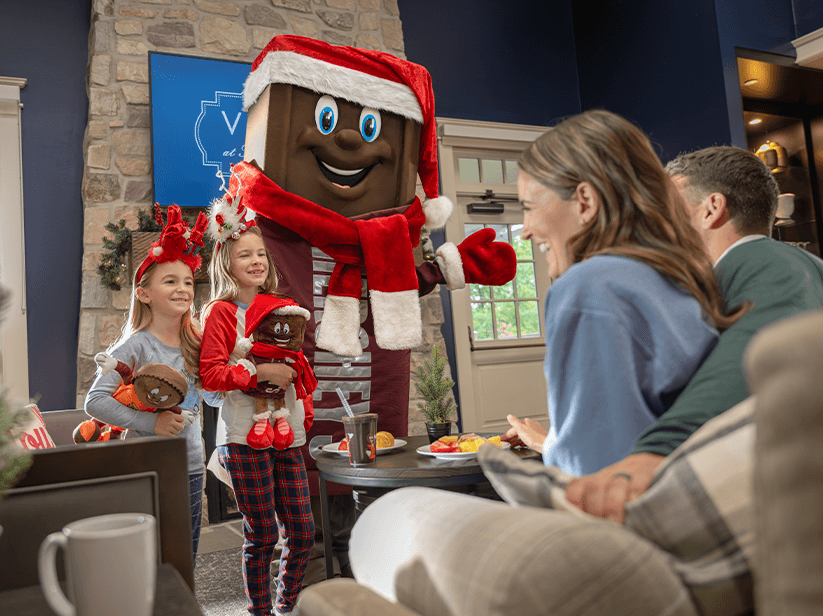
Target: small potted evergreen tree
x=434 y=387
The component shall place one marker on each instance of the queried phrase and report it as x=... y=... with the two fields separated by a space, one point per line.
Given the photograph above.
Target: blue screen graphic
x=198 y=126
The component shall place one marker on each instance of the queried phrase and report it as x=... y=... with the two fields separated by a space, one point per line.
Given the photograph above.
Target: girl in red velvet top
x=270 y=485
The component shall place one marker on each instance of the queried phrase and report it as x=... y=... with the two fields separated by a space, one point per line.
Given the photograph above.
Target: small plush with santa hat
x=275 y=326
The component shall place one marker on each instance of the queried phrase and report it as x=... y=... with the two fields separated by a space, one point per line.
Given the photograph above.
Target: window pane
x=504 y=292
x=506 y=322
x=502 y=232
x=492 y=171
x=511 y=172
x=525 y=280
x=470 y=228
x=479 y=291
x=529 y=320
x=523 y=248
x=469 y=171
x=482 y=321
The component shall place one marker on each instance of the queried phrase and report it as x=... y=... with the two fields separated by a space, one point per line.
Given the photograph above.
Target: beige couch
x=432 y=553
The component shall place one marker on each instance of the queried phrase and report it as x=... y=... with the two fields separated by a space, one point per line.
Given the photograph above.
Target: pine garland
x=113 y=260
x=433 y=387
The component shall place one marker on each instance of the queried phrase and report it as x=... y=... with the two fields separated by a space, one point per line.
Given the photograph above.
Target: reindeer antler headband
x=228 y=217
x=177 y=241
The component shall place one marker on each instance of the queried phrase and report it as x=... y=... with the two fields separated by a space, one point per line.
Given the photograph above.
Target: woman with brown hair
x=634 y=308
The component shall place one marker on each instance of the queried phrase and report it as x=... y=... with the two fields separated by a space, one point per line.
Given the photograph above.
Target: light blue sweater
x=622 y=342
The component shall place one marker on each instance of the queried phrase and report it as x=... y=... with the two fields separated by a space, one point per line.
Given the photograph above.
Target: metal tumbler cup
x=360 y=431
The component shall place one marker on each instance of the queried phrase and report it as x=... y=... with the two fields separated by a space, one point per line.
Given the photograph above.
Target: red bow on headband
x=178 y=242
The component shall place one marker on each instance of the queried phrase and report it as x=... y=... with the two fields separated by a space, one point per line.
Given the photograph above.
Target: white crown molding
x=454 y=131
x=809 y=49
x=10 y=87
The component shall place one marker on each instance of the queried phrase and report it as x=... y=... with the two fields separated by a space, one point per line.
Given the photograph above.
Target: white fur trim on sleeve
x=332 y=79
x=448 y=258
x=339 y=330
x=397 y=321
x=250 y=367
x=437 y=212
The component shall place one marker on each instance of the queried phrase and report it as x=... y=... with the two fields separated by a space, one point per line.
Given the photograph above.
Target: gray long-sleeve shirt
x=139 y=349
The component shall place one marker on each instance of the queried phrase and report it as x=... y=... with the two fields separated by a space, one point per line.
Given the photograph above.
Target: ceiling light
x=755 y=121
x=750 y=82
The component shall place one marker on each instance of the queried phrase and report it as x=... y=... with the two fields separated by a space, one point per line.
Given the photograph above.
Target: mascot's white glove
x=188 y=418
x=106 y=362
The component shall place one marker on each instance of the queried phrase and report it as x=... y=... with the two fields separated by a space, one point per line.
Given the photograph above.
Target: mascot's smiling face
x=284 y=331
x=350 y=159
x=160 y=386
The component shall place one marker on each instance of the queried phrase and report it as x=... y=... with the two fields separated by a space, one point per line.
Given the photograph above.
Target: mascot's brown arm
x=428 y=277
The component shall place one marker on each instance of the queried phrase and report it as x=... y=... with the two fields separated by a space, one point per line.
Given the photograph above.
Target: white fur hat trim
x=332 y=79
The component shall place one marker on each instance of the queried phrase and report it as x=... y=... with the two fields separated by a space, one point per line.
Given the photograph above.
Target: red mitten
x=308 y=409
x=283 y=434
x=478 y=259
x=261 y=434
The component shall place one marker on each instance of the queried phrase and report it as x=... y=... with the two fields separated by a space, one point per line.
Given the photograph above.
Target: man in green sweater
x=731 y=199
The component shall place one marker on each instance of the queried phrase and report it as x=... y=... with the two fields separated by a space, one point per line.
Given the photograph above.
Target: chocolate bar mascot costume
x=335 y=140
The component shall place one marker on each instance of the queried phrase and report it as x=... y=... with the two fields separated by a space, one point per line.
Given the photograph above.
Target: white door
x=499 y=336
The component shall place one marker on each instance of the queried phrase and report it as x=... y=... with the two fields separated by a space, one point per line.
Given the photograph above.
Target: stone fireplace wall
x=117 y=148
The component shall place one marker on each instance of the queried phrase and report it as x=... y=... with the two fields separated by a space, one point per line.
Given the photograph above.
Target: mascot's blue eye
x=325 y=114
x=370 y=123
x=277 y=328
x=285 y=329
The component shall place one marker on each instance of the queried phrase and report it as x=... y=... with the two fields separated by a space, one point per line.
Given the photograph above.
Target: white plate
x=334 y=447
x=425 y=450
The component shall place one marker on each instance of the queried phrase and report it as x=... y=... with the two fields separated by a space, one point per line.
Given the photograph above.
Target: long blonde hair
x=642 y=215
x=140 y=316
x=224 y=285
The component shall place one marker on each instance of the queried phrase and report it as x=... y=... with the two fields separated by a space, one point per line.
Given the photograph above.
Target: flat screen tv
x=198 y=126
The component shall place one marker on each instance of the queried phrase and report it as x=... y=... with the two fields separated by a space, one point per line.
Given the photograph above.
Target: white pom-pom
x=437 y=212
x=243 y=345
x=157 y=251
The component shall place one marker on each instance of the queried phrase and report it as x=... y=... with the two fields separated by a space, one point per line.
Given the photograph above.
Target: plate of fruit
x=385 y=443
x=460 y=447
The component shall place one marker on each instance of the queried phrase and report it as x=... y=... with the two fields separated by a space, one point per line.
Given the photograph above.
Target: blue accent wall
x=808 y=16
x=46 y=42
x=495 y=61
x=658 y=64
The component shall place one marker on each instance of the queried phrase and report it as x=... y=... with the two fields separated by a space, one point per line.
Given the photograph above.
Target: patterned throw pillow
x=698 y=508
x=35 y=435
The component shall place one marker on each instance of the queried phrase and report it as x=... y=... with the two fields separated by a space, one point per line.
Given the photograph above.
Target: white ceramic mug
x=785 y=205
x=111 y=566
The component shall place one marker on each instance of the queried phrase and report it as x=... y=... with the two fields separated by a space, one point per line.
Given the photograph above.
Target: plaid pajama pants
x=272 y=492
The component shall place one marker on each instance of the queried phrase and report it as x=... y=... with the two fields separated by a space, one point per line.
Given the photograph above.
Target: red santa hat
x=365 y=77
x=263 y=305
x=177 y=241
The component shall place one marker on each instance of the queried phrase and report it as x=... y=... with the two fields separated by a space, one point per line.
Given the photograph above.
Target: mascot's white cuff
x=339 y=330
x=250 y=367
x=397 y=320
x=451 y=265
x=243 y=346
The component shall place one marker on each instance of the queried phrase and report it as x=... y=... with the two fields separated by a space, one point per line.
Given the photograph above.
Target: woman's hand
x=606 y=492
x=279 y=374
x=169 y=423
x=527 y=432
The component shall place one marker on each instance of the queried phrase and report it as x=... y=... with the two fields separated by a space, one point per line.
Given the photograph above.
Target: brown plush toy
x=153 y=388
x=275 y=326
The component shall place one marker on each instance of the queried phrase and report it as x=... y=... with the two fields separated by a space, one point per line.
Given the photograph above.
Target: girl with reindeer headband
x=262 y=464
x=160 y=329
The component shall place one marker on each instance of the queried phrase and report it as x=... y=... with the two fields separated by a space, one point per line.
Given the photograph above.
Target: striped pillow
x=698 y=508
